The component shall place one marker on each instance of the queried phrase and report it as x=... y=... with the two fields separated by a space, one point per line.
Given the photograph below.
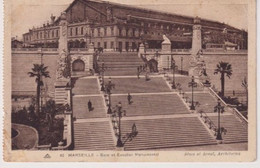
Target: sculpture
x=166 y=39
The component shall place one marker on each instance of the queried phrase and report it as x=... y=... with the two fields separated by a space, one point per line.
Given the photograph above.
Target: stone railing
x=26 y=49
x=67 y=133
x=224 y=51
x=35 y=49
x=66 y=144
x=49 y=49
x=78 y=49
x=234 y=110
x=208 y=122
x=181 y=50
x=153 y=50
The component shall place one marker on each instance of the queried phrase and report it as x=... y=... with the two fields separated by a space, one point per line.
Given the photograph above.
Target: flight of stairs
x=237 y=131
x=148 y=105
x=60 y=96
x=167 y=133
x=93 y=136
x=120 y=64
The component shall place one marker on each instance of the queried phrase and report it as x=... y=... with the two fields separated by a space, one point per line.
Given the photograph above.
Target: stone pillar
x=164 y=62
x=196 y=36
x=196 y=48
x=63 y=64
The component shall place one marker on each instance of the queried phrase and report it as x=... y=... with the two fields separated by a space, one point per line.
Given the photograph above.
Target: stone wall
x=239 y=67
x=22 y=63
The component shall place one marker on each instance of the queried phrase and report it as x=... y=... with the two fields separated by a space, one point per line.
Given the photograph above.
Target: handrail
x=208 y=121
x=216 y=95
x=239 y=115
x=235 y=111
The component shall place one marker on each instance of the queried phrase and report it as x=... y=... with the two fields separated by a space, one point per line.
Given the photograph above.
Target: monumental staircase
x=120 y=64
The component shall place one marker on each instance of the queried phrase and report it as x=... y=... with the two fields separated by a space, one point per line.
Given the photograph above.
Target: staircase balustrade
x=208 y=122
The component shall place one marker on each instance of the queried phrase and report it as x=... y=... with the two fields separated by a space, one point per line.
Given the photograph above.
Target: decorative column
x=196 y=36
x=62 y=83
x=196 y=48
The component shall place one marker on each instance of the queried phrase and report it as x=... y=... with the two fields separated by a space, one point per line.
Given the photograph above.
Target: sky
x=29 y=13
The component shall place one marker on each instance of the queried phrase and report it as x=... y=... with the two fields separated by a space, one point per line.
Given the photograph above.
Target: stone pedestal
x=166 y=47
x=165 y=58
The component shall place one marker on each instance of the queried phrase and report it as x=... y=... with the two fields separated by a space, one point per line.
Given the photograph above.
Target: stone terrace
x=155 y=104
x=206 y=100
x=80 y=107
x=85 y=86
x=134 y=85
x=184 y=81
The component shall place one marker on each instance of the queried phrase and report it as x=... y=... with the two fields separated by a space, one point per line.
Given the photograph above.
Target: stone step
x=93 y=136
x=236 y=131
x=167 y=133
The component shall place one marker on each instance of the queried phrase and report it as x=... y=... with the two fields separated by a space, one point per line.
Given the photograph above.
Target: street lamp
x=192 y=84
x=102 y=75
x=181 y=64
x=173 y=74
x=109 y=87
x=118 y=112
x=220 y=109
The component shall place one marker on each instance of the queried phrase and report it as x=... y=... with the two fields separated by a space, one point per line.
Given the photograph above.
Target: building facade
x=117 y=27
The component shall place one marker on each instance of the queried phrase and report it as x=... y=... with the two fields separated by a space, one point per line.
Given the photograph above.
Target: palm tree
x=39 y=71
x=245 y=86
x=223 y=68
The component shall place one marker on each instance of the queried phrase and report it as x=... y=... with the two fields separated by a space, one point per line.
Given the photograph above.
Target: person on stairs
x=129 y=99
x=89 y=106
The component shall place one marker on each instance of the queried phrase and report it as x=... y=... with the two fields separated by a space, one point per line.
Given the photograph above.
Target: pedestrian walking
x=89 y=106
x=129 y=98
x=138 y=72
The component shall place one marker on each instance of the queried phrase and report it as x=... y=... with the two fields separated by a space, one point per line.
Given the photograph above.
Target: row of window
x=42 y=35
x=128 y=45
x=164 y=26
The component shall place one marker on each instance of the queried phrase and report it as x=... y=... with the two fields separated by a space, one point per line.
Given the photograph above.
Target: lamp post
x=181 y=64
x=192 y=84
x=109 y=87
x=118 y=112
x=102 y=75
x=173 y=74
x=220 y=109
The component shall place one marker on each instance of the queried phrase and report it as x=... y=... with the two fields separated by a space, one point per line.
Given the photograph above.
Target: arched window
x=78 y=65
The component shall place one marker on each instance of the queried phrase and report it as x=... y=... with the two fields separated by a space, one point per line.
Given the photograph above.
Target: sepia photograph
x=118 y=79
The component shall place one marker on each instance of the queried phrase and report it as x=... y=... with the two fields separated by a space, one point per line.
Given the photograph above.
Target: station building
x=118 y=27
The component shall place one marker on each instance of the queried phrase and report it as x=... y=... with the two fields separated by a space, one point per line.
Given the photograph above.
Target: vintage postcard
x=129 y=81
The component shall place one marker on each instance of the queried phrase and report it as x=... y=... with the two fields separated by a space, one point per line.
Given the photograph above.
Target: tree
x=224 y=68
x=245 y=86
x=50 y=111
x=39 y=71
